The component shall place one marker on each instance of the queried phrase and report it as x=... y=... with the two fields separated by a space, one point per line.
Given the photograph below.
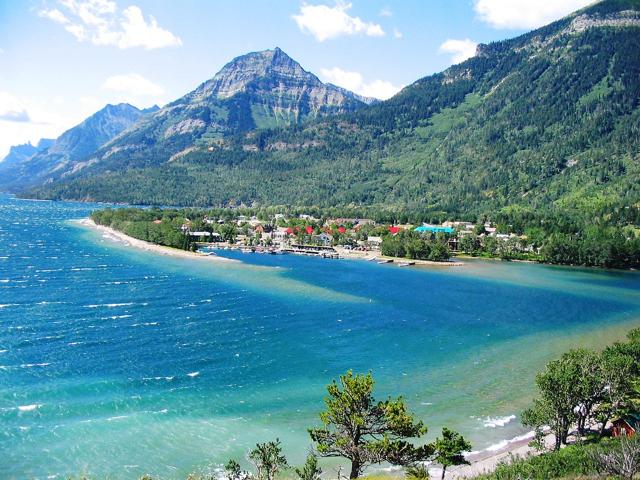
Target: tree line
x=585 y=389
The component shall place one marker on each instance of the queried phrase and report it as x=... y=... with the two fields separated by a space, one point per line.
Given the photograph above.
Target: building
x=426 y=228
x=626 y=426
x=324 y=239
x=206 y=236
x=280 y=235
x=374 y=242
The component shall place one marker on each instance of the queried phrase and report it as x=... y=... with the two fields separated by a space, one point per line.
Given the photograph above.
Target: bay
x=118 y=362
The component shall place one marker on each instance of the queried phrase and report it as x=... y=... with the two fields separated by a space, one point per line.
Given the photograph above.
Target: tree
x=589 y=386
x=558 y=397
x=449 y=449
x=364 y=431
x=268 y=459
x=617 y=375
x=310 y=470
x=233 y=471
x=417 y=471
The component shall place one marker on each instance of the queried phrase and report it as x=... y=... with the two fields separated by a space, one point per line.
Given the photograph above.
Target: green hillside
x=549 y=119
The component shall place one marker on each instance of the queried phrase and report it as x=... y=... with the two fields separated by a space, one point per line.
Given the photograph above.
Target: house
x=374 y=242
x=458 y=225
x=426 y=228
x=204 y=236
x=280 y=235
x=626 y=426
x=324 y=239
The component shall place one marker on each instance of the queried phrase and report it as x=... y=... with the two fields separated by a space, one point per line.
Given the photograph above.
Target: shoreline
x=377 y=256
x=129 y=241
x=486 y=461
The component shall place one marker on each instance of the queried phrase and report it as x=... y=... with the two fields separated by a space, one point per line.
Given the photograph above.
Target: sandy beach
x=115 y=235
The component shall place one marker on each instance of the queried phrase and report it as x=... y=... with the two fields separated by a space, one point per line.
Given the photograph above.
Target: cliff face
x=274 y=80
x=275 y=88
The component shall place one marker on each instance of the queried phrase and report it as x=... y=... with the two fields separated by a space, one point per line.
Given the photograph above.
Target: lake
x=120 y=362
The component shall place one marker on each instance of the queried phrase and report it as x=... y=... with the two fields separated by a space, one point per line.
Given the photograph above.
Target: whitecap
x=118 y=417
x=193 y=374
x=31 y=365
x=29 y=408
x=504 y=443
x=497 y=446
x=493 y=422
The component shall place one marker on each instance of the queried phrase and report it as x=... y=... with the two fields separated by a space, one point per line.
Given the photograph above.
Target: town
x=327 y=237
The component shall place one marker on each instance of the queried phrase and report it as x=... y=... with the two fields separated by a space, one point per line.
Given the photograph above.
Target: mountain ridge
x=547 y=118
x=64 y=154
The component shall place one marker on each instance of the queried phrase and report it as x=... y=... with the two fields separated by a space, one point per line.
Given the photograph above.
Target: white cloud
x=325 y=22
x=355 y=82
x=525 y=14
x=40 y=122
x=386 y=12
x=133 y=84
x=55 y=15
x=460 y=50
x=397 y=33
x=12 y=109
x=101 y=23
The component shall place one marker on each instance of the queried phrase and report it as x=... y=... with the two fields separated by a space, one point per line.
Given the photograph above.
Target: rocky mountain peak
x=236 y=75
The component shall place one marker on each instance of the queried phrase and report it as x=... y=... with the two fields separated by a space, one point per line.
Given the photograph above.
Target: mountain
x=257 y=90
x=20 y=153
x=64 y=155
x=550 y=119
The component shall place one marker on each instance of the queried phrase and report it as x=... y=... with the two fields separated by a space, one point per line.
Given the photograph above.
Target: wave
x=494 y=422
x=115 y=317
x=29 y=408
x=117 y=417
x=505 y=443
x=31 y=365
x=193 y=374
x=108 y=305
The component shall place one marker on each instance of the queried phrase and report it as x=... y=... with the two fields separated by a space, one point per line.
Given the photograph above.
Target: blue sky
x=62 y=60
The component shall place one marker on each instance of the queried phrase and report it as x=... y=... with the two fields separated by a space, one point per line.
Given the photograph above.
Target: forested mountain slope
x=549 y=118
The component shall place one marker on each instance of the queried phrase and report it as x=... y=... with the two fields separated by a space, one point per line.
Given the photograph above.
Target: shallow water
x=119 y=362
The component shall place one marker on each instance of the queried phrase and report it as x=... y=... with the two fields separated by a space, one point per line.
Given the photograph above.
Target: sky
x=63 y=60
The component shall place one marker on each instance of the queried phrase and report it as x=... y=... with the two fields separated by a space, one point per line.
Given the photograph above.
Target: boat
x=385 y=260
x=406 y=264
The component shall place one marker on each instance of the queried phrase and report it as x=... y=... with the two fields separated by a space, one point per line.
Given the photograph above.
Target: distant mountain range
x=54 y=159
x=550 y=118
x=20 y=153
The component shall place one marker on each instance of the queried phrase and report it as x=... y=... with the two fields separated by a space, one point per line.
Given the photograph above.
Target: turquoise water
x=119 y=362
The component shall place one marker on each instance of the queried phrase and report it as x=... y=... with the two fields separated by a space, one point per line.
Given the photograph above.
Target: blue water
x=119 y=362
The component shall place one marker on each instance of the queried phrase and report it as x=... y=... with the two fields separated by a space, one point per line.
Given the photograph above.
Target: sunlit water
x=119 y=362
